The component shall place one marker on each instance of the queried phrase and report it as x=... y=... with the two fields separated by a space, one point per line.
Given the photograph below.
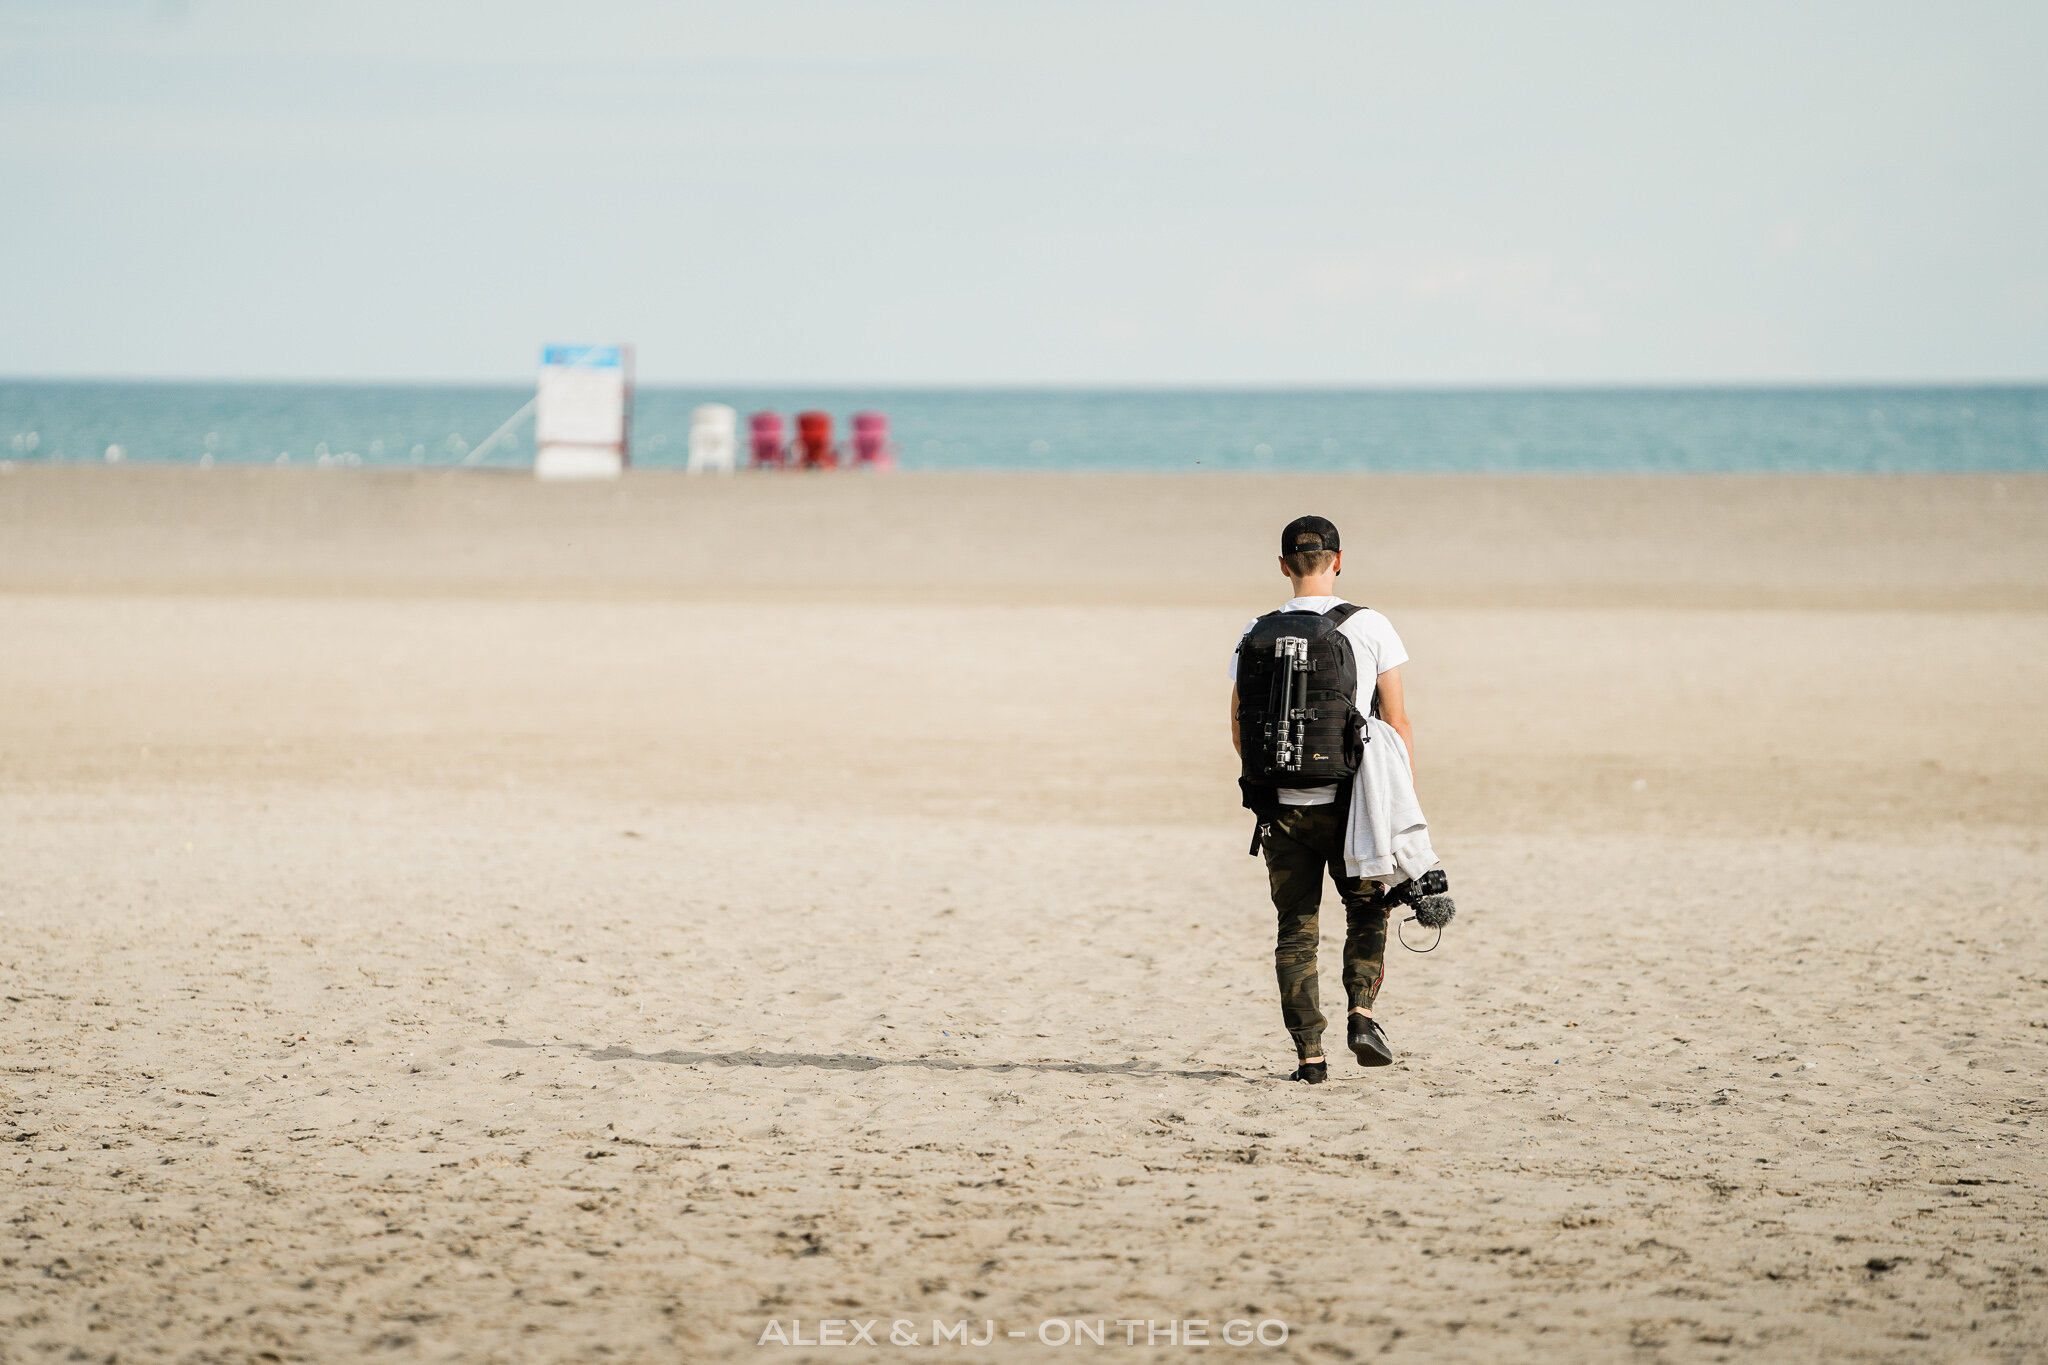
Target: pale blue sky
x=1100 y=193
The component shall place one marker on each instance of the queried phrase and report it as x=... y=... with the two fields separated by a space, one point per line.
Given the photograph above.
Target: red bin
x=814 y=449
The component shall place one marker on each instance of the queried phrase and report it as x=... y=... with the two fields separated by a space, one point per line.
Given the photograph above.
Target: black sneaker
x=1368 y=1044
x=1314 y=1073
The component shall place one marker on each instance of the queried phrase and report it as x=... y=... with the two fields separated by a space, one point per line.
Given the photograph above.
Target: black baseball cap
x=1306 y=535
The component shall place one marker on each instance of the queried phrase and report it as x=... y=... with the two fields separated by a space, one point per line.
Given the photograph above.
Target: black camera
x=1430 y=897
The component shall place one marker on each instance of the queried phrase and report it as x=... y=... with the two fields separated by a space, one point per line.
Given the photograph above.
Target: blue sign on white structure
x=582 y=412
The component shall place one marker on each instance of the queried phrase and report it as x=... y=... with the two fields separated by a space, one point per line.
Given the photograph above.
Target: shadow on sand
x=845 y=1061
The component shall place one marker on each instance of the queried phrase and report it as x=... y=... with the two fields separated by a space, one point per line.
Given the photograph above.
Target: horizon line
x=1054 y=386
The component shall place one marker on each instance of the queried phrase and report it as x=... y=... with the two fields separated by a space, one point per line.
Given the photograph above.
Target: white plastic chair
x=714 y=438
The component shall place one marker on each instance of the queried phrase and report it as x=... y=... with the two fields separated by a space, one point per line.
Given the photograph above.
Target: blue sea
x=1618 y=431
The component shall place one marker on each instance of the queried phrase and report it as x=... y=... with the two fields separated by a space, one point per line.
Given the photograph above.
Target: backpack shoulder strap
x=1339 y=614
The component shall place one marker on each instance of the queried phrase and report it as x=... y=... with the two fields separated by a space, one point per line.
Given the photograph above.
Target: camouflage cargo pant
x=1300 y=843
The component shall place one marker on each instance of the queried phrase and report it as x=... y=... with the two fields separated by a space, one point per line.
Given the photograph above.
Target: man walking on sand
x=1301 y=827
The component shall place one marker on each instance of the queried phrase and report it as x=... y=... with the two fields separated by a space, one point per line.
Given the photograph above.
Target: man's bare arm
x=1394 y=710
x=1236 y=740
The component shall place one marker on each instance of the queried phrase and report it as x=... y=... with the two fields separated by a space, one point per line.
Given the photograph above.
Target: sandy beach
x=449 y=917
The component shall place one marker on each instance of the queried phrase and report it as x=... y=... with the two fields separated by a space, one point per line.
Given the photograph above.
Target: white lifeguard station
x=714 y=438
x=583 y=412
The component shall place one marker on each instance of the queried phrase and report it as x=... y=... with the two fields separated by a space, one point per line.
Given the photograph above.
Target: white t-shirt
x=1377 y=649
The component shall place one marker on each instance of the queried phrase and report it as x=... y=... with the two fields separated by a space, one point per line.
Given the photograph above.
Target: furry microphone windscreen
x=1434 y=912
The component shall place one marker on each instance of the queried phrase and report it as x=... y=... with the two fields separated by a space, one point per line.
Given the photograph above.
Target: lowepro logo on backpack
x=1297 y=689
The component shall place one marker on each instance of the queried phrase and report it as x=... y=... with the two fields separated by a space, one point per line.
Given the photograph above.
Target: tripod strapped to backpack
x=1297 y=700
x=1287 y=708
x=1297 y=706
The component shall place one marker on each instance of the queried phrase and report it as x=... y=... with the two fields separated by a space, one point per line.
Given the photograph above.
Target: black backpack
x=1297 y=713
